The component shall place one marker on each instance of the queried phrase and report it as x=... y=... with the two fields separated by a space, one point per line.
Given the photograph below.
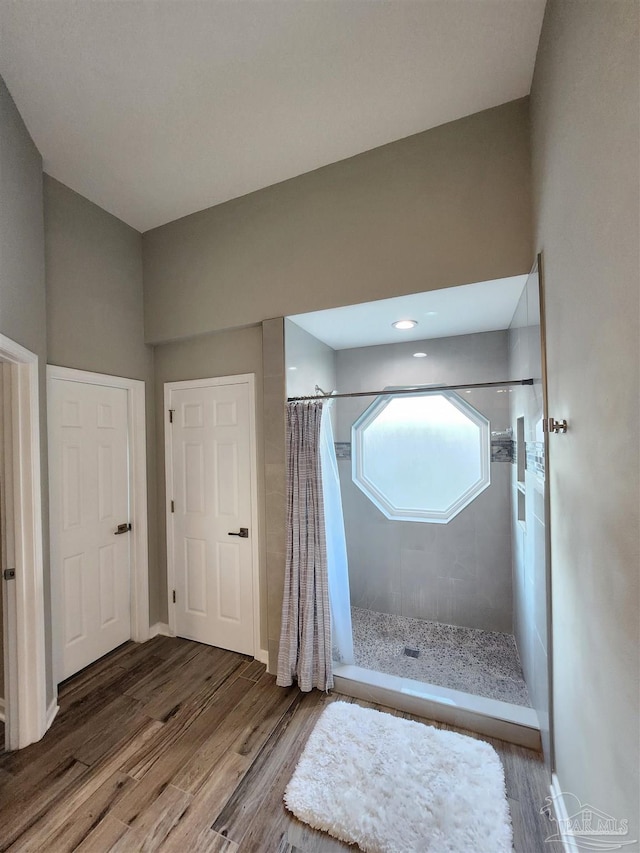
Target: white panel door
x=211 y=493
x=89 y=496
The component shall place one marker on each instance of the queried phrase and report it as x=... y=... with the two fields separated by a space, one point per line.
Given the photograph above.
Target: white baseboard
x=163 y=630
x=160 y=629
x=568 y=841
x=52 y=710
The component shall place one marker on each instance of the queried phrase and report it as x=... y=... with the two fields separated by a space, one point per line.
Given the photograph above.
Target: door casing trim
x=248 y=379
x=25 y=657
x=138 y=545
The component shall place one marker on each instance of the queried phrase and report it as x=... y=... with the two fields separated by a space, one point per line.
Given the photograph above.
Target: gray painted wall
x=445 y=207
x=94 y=287
x=458 y=573
x=95 y=309
x=585 y=142
x=221 y=354
x=22 y=281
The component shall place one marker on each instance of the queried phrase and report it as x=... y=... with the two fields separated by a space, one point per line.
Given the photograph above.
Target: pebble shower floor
x=485 y=663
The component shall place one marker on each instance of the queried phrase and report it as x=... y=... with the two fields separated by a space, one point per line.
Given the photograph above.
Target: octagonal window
x=421 y=457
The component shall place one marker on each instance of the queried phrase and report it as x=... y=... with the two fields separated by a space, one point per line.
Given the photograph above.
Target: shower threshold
x=514 y=723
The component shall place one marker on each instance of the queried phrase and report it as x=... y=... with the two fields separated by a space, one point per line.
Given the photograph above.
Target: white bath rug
x=392 y=785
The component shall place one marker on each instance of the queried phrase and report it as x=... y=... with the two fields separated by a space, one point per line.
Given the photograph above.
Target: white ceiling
x=483 y=307
x=154 y=109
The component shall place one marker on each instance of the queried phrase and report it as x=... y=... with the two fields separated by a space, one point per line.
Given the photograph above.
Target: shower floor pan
x=485 y=663
x=442 y=683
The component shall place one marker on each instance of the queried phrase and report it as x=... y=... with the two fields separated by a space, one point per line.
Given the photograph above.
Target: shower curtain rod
x=412 y=390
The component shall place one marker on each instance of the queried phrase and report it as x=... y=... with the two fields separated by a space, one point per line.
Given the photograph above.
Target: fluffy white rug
x=392 y=785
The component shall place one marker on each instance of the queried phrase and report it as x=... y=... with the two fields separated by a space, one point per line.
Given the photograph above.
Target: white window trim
x=380 y=500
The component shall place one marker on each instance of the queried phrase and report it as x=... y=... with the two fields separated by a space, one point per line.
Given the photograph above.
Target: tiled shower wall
x=308 y=362
x=460 y=572
x=274 y=390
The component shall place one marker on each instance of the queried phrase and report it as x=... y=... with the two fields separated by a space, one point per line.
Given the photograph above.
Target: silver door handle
x=244 y=533
x=122 y=528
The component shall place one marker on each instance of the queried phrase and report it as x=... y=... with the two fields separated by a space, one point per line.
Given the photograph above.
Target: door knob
x=244 y=533
x=122 y=528
x=552 y=425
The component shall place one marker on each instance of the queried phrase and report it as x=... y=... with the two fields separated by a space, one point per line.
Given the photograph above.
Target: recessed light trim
x=419 y=355
x=404 y=325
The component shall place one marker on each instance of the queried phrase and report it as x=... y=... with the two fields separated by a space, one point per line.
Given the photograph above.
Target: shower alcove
x=439 y=447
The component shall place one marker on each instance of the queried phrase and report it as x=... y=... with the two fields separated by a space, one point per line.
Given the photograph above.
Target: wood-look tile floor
x=175 y=746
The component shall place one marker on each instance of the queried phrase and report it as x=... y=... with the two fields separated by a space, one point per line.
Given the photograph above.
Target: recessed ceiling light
x=293 y=368
x=404 y=324
x=419 y=355
x=430 y=313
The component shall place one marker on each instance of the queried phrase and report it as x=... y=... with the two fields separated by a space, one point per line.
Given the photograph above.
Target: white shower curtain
x=337 y=565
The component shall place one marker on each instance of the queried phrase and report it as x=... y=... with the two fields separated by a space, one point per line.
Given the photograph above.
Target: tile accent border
x=343 y=449
x=535 y=457
x=503 y=450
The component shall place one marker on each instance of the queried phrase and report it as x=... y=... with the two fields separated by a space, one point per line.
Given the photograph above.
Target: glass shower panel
x=530 y=530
